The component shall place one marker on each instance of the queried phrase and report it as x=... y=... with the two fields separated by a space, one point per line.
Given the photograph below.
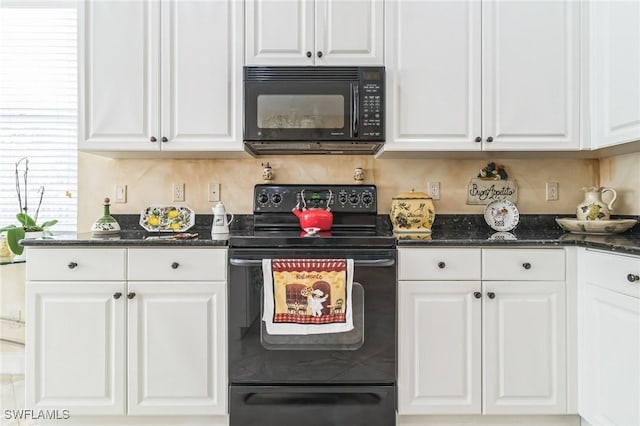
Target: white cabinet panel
x=524 y=344
x=439 y=365
x=76 y=347
x=349 y=32
x=615 y=71
x=320 y=32
x=119 y=107
x=433 y=73
x=200 y=74
x=176 y=348
x=177 y=264
x=161 y=75
x=611 y=349
x=62 y=264
x=439 y=264
x=491 y=75
x=279 y=32
x=531 y=75
x=523 y=264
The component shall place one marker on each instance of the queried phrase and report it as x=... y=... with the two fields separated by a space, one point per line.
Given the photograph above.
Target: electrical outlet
x=552 y=191
x=214 y=192
x=434 y=190
x=121 y=194
x=178 y=192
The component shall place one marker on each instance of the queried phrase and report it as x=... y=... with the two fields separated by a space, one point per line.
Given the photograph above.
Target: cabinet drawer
x=523 y=264
x=438 y=264
x=181 y=264
x=75 y=264
x=611 y=271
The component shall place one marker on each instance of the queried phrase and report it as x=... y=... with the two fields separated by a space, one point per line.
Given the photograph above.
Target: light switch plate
x=213 y=192
x=121 y=194
x=178 y=192
x=552 y=191
x=434 y=190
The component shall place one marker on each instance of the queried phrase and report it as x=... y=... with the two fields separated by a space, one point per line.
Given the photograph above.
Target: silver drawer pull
x=633 y=278
x=175 y=265
x=442 y=265
x=72 y=265
x=526 y=265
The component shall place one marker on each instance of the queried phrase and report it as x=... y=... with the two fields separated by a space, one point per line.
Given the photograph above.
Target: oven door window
x=351 y=340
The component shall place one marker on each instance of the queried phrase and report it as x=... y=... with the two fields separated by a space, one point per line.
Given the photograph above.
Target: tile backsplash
x=149 y=181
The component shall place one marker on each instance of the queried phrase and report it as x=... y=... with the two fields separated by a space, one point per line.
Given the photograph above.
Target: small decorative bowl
x=602 y=227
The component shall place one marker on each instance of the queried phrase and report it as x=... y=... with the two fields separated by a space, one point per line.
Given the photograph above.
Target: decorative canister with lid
x=412 y=212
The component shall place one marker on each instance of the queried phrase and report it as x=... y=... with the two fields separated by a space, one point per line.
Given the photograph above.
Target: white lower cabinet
x=144 y=347
x=609 y=341
x=481 y=347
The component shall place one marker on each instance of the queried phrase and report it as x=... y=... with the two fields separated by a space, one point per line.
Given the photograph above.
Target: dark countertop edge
x=125 y=243
x=520 y=243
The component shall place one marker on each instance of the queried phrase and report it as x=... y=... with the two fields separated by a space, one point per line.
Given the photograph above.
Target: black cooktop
x=374 y=238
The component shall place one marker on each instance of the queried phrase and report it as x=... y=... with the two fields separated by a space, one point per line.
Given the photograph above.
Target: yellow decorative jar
x=412 y=212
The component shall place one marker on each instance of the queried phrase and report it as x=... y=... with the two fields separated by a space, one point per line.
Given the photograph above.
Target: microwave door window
x=308 y=111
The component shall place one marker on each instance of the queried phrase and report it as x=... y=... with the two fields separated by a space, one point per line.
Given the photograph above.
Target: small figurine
x=358 y=175
x=267 y=172
x=491 y=171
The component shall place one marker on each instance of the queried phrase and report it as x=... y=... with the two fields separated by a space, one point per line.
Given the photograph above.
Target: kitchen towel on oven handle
x=307 y=296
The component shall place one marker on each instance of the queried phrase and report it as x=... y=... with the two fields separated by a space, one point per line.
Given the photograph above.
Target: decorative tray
x=602 y=227
x=167 y=218
x=501 y=215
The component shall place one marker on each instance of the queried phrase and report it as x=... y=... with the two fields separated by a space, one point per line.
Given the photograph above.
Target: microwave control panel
x=372 y=104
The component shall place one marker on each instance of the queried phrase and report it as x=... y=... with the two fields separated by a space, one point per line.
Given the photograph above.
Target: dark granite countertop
x=448 y=231
x=533 y=230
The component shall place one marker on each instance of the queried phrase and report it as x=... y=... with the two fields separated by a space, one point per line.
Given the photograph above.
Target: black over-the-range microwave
x=313 y=110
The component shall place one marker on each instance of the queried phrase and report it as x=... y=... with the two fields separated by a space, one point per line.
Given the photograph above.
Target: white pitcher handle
x=230 y=220
x=615 y=194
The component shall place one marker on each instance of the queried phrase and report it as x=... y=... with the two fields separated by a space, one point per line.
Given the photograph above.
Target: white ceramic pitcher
x=221 y=220
x=593 y=208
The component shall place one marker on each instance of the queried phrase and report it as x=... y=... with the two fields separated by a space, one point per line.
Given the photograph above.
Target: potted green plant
x=28 y=224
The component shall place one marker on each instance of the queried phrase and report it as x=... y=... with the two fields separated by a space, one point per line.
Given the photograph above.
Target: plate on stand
x=501 y=215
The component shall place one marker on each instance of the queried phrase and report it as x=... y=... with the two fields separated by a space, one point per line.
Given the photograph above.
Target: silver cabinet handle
x=72 y=265
x=255 y=262
x=633 y=278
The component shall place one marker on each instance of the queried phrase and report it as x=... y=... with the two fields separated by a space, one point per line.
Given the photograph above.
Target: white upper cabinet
x=160 y=75
x=488 y=75
x=615 y=72
x=433 y=58
x=320 y=32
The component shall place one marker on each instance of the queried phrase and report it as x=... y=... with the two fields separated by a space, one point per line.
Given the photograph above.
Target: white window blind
x=38 y=108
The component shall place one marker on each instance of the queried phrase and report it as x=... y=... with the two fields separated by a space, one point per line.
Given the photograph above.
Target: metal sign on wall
x=484 y=191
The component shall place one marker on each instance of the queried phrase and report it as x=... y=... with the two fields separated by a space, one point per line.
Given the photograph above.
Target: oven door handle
x=368 y=263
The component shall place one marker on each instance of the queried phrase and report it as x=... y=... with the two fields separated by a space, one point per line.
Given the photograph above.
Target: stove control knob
x=342 y=197
x=276 y=198
x=354 y=198
x=367 y=198
x=263 y=198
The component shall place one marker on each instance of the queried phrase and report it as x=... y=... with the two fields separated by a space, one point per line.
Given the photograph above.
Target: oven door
x=366 y=355
x=299 y=110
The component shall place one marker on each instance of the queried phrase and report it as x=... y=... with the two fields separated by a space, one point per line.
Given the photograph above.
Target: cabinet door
x=349 y=32
x=75 y=347
x=524 y=347
x=615 y=67
x=279 y=32
x=119 y=75
x=201 y=74
x=434 y=75
x=177 y=348
x=610 y=350
x=439 y=368
x=530 y=75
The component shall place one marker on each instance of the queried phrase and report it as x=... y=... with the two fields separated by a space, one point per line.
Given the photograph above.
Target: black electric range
x=355 y=220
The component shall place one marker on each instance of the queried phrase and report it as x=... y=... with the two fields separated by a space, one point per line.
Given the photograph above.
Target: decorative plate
x=603 y=227
x=501 y=215
x=167 y=218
